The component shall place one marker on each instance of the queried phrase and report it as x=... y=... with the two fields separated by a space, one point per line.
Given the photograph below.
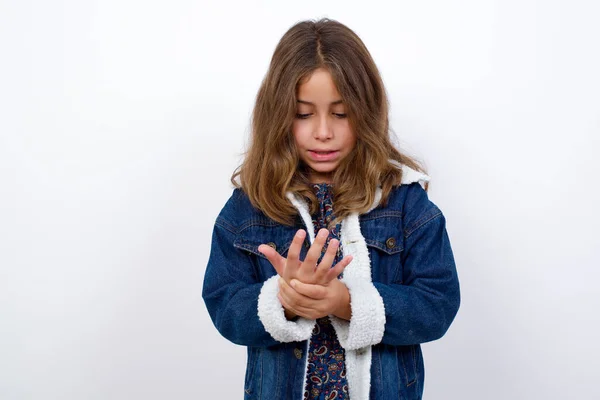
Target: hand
x=315 y=301
x=307 y=271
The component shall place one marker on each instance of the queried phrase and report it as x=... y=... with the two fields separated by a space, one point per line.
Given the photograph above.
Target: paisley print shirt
x=326 y=374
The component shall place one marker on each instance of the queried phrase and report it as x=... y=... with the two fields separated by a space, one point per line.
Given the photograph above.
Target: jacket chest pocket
x=385 y=242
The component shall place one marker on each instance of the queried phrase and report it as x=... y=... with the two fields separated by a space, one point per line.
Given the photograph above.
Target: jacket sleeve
x=245 y=310
x=422 y=306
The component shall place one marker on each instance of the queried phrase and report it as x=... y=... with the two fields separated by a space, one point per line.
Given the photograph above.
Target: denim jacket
x=402 y=281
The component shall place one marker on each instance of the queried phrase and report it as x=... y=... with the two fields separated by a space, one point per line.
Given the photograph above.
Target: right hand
x=307 y=271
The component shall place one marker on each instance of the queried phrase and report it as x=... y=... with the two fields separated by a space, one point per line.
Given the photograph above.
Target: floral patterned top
x=326 y=373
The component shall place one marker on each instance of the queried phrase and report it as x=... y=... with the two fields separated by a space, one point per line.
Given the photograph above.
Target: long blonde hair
x=272 y=166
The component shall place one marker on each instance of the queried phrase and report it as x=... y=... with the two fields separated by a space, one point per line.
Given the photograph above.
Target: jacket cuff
x=272 y=316
x=367 y=321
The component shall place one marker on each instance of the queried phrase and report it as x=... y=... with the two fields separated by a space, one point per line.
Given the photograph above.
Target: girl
x=329 y=262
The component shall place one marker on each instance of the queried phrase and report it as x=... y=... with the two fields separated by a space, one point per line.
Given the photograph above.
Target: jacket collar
x=409 y=176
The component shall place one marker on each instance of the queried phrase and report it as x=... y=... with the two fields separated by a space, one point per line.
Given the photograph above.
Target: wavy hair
x=272 y=166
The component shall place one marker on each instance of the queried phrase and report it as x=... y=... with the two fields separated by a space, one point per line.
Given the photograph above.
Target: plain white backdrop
x=120 y=125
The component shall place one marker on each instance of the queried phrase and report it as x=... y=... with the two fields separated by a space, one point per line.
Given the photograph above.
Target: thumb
x=276 y=260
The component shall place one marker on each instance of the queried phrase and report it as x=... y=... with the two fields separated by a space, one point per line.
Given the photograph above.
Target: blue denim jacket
x=408 y=294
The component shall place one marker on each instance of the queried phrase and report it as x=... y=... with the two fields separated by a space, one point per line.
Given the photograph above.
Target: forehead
x=318 y=89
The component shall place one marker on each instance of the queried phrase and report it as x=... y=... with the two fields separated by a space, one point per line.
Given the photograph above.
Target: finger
x=299 y=311
x=294 y=250
x=304 y=308
x=288 y=295
x=276 y=260
x=327 y=260
x=288 y=292
x=294 y=298
x=292 y=262
x=316 y=292
x=310 y=262
x=299 y=304
x=287 y=306
x=337 y=269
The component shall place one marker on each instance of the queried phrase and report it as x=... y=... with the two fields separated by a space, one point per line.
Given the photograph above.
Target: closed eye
x=304 y=116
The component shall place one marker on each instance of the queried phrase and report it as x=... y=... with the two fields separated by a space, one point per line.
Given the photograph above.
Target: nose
x=323 y=130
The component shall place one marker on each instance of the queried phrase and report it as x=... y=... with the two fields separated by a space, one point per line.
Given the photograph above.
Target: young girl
x=329 y=262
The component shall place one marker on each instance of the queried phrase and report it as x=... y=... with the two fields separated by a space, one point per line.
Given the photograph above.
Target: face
x=321 y=128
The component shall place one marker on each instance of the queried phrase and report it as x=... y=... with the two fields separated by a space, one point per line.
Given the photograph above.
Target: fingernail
x=293 y=283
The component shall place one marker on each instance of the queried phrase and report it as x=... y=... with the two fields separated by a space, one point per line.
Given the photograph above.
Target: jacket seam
x=381 y=214
x=223 y=223
x=256 y=222
x=422 y=223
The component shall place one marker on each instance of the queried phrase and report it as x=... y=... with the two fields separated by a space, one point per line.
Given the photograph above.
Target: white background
x=120 y=125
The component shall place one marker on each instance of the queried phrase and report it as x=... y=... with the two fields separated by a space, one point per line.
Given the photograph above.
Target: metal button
x=390 y=243
x=298 y=353
x=272 y=245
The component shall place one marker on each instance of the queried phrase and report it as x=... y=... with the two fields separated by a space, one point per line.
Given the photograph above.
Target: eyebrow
x=312 y=104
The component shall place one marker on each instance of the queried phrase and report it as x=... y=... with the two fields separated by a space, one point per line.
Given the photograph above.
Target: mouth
x=323 y=155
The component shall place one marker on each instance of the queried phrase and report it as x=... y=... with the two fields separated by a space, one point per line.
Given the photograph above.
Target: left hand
x=315 y=301
x=307 y=270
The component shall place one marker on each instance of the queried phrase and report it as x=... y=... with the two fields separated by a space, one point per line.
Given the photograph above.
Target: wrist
x=343 y=310
x=289 y=315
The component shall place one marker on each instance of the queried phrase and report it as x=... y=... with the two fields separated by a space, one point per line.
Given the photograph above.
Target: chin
x=324 y=168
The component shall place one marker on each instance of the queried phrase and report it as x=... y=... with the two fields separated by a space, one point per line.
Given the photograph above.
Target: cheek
x=343 y=127
x=300 y=130
x=349 y=136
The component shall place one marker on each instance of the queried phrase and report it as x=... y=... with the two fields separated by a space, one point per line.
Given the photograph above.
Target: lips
x=323 y=155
